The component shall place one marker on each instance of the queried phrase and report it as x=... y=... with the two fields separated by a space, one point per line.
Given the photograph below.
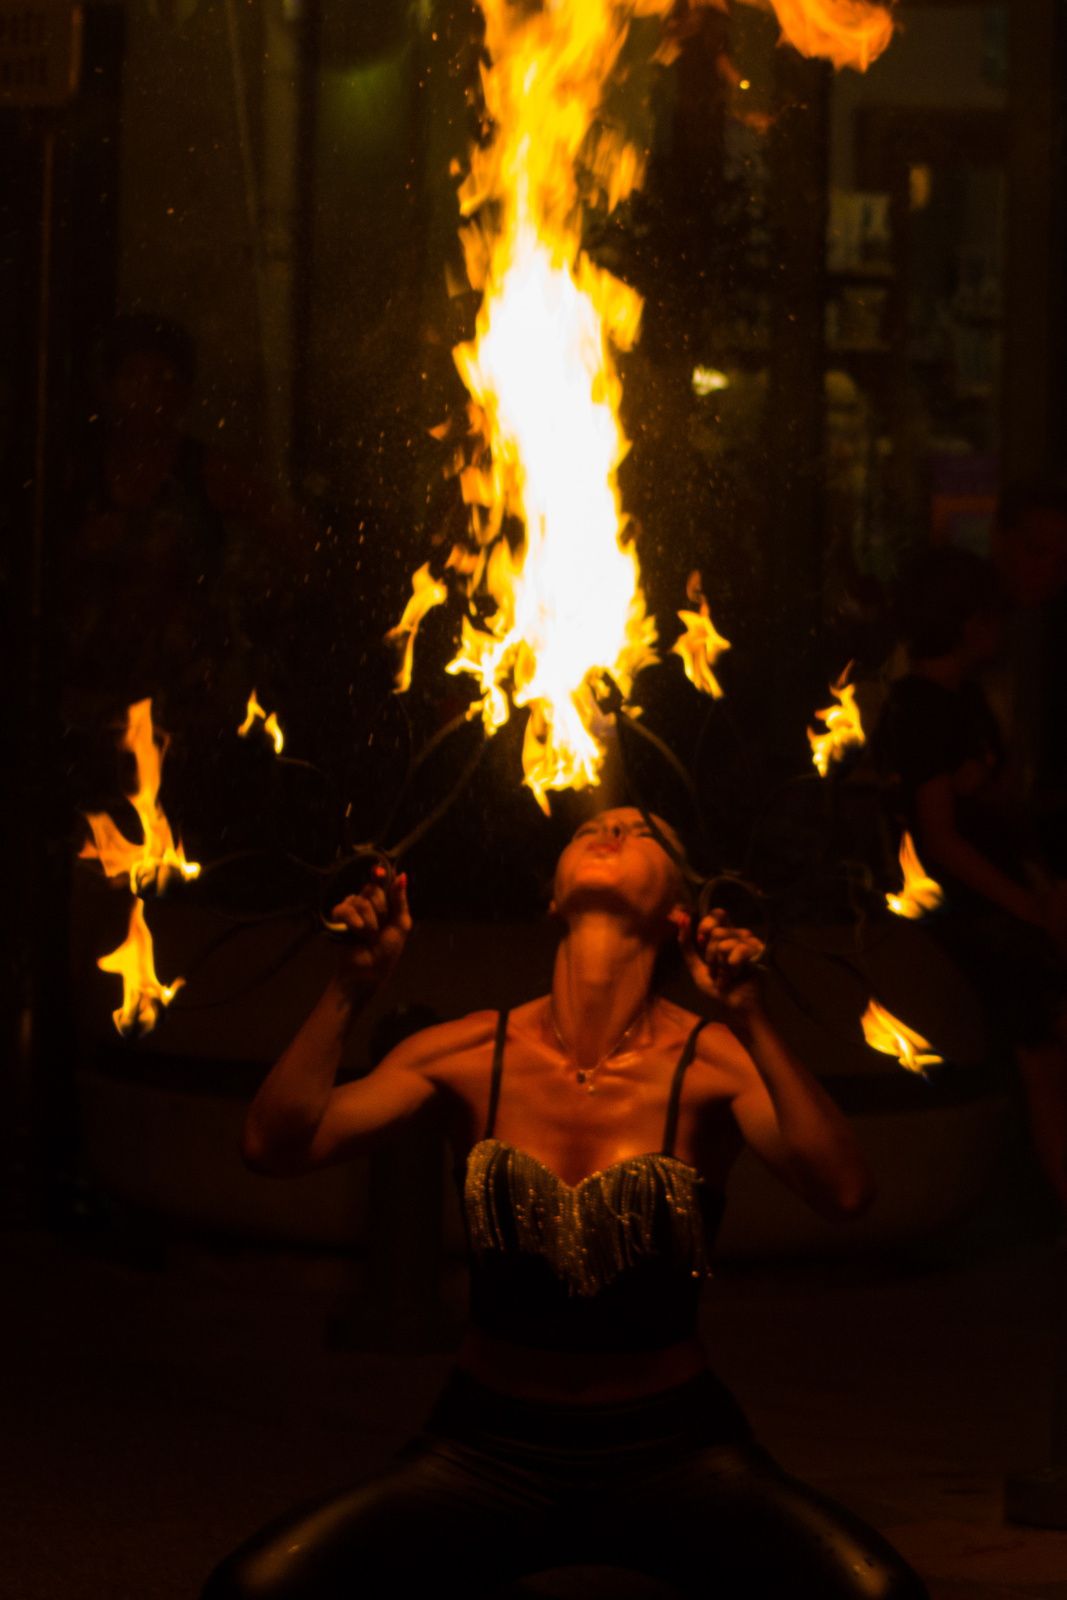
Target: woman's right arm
x=300 y=1119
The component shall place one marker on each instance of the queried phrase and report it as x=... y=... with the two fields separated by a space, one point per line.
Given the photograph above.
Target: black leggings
x=497 y=1488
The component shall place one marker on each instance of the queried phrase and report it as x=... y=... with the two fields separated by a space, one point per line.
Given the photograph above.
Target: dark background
x=874 y=266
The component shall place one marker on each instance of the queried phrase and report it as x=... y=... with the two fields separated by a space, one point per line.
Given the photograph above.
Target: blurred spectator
x=1030 y=543
x=176 y=550
x=1027 y=676
x=1005 y=918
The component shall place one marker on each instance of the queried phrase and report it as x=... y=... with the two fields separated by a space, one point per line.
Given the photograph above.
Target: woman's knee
x=244 y=1576
x=226 y=1583
x=890 y=1578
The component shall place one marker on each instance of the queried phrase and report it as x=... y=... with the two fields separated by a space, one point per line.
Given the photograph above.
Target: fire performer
x=594 y=1129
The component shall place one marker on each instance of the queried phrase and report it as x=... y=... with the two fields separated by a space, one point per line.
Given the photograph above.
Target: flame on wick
x=143 y=995
x=700 y=646
x=844 y=726
x=920 y=892
x=152 y=863
x=885 y=1032
x=271 y=725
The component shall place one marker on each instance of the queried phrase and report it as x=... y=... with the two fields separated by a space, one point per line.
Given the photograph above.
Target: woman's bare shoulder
x=719 y=1047
x=444 y=1041
x=676 y=1019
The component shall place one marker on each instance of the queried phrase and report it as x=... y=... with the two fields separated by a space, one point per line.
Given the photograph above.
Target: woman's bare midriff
x=577 y=1377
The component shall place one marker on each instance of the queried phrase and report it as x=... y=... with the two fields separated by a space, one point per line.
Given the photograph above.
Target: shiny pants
x=496 y=1489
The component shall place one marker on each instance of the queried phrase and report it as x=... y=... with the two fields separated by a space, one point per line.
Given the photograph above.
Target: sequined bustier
x=614 y=1262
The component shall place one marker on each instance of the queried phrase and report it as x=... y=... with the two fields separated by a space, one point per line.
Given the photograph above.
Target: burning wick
x=700 y=646
x=143 y=995
x=920 y=893
x=885 y=1032
x=151 y=865
x=148 y=867
x=271 y=726
x=844 y=726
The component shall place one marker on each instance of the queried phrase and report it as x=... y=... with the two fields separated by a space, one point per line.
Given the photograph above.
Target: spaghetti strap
x=670 y=1128
x=498 y=1069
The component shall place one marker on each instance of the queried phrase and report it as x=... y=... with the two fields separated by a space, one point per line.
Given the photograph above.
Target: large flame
x=920 y=893
x=885 y=1032
x=560 y=613
x=158 y=857
x=143 y=995
x=569 y=611
x=843 y=727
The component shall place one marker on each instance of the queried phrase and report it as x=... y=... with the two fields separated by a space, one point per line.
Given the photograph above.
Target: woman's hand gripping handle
x=723 y=961
x=375 y=925
x=287 y=1129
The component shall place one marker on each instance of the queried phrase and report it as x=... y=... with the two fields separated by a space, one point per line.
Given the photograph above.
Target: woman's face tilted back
x=615 y=864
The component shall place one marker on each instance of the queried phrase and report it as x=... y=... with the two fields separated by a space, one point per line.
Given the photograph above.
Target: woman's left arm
x=782 y=1111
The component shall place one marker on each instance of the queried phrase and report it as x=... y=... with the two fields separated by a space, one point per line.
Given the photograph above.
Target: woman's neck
x=601 y=984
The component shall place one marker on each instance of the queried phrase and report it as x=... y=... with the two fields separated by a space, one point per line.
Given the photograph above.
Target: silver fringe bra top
x=615 y=1262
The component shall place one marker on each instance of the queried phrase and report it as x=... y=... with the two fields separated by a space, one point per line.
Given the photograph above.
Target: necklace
x=586 y=1076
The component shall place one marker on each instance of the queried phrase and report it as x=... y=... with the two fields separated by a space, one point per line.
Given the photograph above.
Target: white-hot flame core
x=573 y=607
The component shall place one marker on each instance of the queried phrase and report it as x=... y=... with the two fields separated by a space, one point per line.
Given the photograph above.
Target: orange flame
x=920 y=893
x=426 y=592
x=700 y=646
x=143 y=996
x=151 y=864
x=892 y=1037
x=844 y=727
x=566 y=610
x=850 y=33
x=271 y=725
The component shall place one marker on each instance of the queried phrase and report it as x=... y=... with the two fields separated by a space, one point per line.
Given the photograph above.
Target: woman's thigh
x=730 y=1523
x=437 y=1519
